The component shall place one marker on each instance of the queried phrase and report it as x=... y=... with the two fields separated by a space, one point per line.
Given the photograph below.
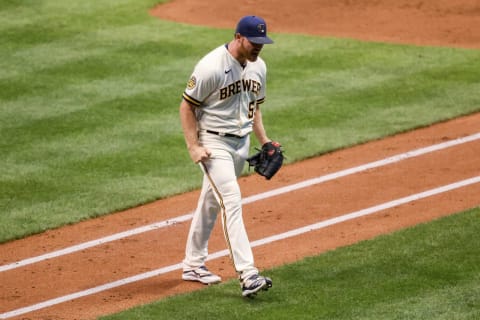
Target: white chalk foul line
x=264 y=195
x=96 y=242
x=223 y=253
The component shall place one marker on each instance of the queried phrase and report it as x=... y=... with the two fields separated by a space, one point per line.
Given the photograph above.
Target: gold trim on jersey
x=191 y=100
x=260 y=101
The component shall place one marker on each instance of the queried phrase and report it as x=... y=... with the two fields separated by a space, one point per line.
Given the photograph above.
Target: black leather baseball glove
x=268 y=160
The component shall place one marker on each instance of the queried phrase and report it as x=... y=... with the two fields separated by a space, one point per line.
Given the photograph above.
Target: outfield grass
x=430 y=271
x=89 y=95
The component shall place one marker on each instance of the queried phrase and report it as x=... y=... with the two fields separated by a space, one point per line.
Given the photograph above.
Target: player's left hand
x=268 y=160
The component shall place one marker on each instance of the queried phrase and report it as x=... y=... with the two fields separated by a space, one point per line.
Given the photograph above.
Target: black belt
x=223 y=134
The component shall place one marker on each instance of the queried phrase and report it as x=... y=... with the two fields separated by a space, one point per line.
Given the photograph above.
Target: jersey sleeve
x=201 y=84
x=261 y=100
x=263 y=77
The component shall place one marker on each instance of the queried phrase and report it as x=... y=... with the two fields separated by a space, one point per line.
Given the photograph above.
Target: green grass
x=430 y=271
x=89 y=95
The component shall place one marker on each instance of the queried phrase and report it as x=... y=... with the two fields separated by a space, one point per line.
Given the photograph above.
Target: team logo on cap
x=192 y=83
x=261 y=28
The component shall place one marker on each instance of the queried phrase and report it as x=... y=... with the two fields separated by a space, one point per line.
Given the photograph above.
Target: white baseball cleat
x=255 y=283
x=201 y=274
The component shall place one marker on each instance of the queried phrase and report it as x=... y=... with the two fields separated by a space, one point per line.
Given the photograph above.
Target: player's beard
x=252 y=52
x=253 y=55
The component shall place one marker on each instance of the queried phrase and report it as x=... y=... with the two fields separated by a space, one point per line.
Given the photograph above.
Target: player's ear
x=237 y=36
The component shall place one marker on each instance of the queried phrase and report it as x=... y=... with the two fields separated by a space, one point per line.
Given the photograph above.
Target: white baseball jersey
x=225 y=92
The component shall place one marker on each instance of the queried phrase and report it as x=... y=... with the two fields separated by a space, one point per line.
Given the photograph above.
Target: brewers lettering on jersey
x=219 y=110
x=239 y=85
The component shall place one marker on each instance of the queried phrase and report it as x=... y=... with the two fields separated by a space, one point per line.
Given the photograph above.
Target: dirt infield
x=427 y=22
x=97 y=261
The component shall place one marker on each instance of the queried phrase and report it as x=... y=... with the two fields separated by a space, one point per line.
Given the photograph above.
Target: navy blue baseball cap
x=254 y=29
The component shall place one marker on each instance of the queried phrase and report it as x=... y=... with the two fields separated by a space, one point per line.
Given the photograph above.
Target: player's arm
x=190 y=132
x=258 y=127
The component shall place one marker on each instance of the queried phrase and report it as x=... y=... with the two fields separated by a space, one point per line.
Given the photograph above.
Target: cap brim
x=260 y=40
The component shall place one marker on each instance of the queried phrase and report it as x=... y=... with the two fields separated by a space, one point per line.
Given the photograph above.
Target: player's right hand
x=199 y=153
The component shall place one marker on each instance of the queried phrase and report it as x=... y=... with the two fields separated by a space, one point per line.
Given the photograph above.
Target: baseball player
x=219 y=109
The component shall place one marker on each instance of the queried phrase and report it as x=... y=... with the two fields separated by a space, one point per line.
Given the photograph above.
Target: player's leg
x=201 y=226
x=196 y=250
x=251 y=282
x=223 y=169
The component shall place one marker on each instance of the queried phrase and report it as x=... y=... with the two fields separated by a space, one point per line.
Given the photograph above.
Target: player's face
x=251 y=50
